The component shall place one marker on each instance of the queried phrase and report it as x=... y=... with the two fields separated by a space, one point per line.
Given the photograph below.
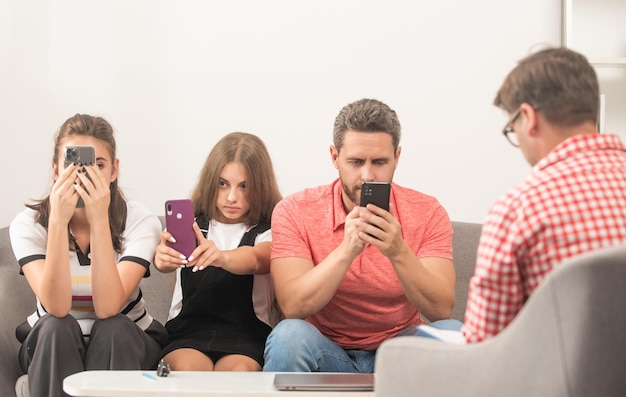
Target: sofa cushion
x=464 y=246
x=157 y=291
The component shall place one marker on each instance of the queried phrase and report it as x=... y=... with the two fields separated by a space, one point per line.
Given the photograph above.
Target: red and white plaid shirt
x=573 y=201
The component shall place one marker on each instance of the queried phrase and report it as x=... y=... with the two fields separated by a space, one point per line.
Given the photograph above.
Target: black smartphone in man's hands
x=376 y=193
x=79 y=155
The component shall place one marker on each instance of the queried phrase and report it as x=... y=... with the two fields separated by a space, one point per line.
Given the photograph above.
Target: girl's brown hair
x=262 y=191
x=98 y=128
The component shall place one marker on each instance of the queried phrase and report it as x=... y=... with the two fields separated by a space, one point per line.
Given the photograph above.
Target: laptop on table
x=324 y=381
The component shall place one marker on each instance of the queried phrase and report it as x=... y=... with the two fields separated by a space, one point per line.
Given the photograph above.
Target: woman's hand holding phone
x=63 y=196
x=79 y=155
x=94 y=191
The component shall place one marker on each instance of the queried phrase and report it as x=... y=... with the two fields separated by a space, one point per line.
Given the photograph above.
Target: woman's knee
x=119 y=329
x=113 y=324
x=51 y=338
x=52 y=326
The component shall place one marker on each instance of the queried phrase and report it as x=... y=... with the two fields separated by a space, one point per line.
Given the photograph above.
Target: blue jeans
x=297 y=346
x=449 y=324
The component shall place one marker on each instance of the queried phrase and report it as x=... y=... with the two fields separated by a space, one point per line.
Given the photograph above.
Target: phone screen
x=376 y=193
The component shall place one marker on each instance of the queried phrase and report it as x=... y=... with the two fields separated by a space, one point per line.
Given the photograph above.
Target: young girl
x=219 y=318
x=84 y=263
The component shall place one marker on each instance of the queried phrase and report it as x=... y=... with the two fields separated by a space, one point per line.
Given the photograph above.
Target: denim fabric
x=297 y=346
x=449 y=324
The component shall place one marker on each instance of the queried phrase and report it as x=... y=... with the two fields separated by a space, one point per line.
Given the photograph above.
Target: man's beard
x=353 y=194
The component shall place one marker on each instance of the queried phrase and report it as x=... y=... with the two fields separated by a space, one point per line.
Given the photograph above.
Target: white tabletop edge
x=184 y=384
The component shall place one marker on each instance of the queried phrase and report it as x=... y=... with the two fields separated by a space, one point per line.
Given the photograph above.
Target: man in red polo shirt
x=349 y=277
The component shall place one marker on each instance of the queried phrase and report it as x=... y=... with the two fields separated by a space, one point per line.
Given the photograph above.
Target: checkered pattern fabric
x=573 y=201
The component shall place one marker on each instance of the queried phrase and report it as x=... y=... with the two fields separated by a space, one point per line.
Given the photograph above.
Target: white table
x=181 y=383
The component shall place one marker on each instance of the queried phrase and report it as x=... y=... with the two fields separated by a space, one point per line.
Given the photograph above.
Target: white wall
x=596 y=30
x=174 y=76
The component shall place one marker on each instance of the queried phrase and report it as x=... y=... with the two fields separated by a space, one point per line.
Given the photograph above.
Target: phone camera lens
x=71 y=154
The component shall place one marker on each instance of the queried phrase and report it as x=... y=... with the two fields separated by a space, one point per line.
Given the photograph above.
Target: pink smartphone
x=179 y=218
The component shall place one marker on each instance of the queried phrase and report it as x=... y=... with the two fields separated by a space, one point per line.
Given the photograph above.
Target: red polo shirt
x=369 y=305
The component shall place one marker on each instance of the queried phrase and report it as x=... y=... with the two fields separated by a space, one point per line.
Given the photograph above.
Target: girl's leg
x=118 y=343
x=187 y=359
x=237 y=362
x=53 y=349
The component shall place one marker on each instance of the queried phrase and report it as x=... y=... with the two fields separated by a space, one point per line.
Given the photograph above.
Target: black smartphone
x=79 y=154
x=376 y=193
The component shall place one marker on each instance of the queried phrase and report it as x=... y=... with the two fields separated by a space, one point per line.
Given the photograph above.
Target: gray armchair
x=568 y=340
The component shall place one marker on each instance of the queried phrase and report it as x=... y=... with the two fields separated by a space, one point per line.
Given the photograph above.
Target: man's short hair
x=367 y=115
x=558 y=82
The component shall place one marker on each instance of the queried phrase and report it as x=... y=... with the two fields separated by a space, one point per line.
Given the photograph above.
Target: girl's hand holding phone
x=166 y=258
x=95 y=192
x=206 y=254
x=63 y=196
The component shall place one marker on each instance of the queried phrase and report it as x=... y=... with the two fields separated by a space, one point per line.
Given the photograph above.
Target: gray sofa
x=17 y=300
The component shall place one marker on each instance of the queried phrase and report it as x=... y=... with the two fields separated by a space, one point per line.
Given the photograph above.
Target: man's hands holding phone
x=381 y=229
x=375 y=195
x=372 y=222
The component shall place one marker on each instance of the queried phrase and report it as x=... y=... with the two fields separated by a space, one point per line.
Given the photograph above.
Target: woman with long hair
x=84 y=249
